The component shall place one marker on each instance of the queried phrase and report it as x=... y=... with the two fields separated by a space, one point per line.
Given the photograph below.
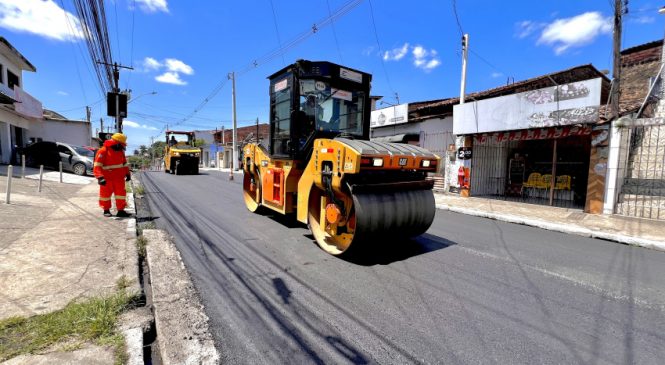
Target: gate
x=437 y=143
x=642 y=192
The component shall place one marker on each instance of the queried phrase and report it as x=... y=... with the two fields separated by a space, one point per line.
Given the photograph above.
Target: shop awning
x=398 y=138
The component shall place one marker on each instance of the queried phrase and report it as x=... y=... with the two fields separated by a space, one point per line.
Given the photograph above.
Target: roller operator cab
x=180 y=155
x=320 y=164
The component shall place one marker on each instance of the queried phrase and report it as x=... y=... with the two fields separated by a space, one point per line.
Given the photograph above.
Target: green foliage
x=199 y=142
x=157 y=149
x=137 y=162
x=141 y=243
x=93 y=320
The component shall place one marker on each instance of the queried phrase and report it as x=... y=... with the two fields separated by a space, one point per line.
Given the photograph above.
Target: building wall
x=11 y=66
x=73 y=132
x=429 y=126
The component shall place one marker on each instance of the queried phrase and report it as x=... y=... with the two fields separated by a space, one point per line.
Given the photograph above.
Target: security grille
x=643 y=187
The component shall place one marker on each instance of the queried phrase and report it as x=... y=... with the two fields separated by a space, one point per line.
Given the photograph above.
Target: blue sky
x=183 y=50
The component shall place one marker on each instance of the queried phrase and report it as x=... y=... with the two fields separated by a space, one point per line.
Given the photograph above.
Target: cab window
x=280 y=115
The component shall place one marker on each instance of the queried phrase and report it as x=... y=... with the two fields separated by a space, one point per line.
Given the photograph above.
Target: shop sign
x=533 y=134
x=397 y=114
x=573 y=103
x=464 y=153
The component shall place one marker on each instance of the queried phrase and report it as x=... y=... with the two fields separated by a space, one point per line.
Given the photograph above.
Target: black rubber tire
x=79 y=169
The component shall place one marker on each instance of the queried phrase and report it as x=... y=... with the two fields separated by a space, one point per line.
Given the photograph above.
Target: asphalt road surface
x=470 y=290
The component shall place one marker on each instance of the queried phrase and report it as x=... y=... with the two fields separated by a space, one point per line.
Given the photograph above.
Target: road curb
x=183 y=333
x=564 y=228
x=133 y=330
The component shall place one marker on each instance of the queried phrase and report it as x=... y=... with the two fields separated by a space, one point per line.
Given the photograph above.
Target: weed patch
x=92 y=320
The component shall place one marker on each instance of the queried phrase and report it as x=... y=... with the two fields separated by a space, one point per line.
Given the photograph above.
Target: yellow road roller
x=320 y=164
x=180 y=156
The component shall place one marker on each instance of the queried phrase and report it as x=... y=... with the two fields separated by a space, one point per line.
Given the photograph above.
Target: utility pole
x=116 y=92
x=257 y=130
x=232 y=76
x=101 y=125
x=616 y=67
x=88 y=113
x=465 y=54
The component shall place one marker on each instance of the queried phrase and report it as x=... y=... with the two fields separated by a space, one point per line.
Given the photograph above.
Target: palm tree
x=143 y=149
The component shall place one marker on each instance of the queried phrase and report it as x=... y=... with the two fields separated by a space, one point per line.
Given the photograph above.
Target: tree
x=136 y=152
x=198 y=142
x=143 y=149
x=157 y=149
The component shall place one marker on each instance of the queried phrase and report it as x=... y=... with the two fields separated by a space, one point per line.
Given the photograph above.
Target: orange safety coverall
x=113 y=167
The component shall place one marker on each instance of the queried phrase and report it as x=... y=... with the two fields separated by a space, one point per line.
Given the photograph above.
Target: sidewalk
x=632 y=231
x=55 y=248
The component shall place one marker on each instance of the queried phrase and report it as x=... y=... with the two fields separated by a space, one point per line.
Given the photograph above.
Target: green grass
x=139 y=190
x=141 y=243
x=89 y=321
x=128 y=187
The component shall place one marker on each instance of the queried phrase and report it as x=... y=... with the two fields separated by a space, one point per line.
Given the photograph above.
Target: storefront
x=534 y=146
x=545 y=166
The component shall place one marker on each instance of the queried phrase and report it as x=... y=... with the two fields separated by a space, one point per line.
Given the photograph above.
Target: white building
x=207 y=155
x=17 y=108
x=57 y=128
x=22 y=118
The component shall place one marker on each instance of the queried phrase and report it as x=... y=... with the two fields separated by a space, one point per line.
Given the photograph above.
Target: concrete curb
x=133 y=330
x=183 y=332
x=557 y=227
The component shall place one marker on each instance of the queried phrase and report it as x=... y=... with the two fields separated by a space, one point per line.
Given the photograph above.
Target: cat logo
x=402 y=161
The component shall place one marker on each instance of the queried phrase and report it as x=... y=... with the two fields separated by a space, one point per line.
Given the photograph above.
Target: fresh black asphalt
x=469 y=291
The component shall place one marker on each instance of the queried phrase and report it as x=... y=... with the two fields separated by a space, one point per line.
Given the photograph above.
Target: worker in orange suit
x=111 y=171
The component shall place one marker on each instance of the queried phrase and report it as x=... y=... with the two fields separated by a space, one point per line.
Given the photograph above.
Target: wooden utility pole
x=616 y=67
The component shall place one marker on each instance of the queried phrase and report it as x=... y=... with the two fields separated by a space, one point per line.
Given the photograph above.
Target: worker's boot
x=107 y=213
x=122 y=214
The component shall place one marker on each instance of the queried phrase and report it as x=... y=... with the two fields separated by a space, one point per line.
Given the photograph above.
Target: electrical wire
x=339 y=52
x=343 y=10
x=274 y=19
x=376 y=36
x=459 y=24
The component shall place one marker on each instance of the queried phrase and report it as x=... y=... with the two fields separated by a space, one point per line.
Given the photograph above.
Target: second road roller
x=320 y=164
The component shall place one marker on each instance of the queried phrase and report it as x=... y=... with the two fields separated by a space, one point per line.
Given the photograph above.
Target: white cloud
x=496 y=75
x=62 y=93
x=130 y=124
x=525 y=28
x=170 y=78
x=174 y=65
x=577 y=31
x=645 y=19
x=396 y=54
x=151 y=64
x=368 y=51
x=43 y=18
x=425 y=59
x=153 y=6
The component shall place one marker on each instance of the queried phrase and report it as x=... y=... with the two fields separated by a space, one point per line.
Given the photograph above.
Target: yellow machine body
x=180 y=157
x=321 y=166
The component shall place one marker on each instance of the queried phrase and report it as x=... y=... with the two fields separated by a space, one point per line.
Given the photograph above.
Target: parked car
x=76 y=159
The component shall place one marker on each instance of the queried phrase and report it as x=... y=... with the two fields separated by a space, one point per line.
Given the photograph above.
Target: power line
x=343 y=10
x=274 y=19
x=459 y=25
x=339 y=52
x=376 y=36
x=346 y=8
x=131 y=52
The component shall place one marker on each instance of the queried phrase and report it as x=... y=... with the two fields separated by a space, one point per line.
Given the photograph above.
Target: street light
x=132 y=99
